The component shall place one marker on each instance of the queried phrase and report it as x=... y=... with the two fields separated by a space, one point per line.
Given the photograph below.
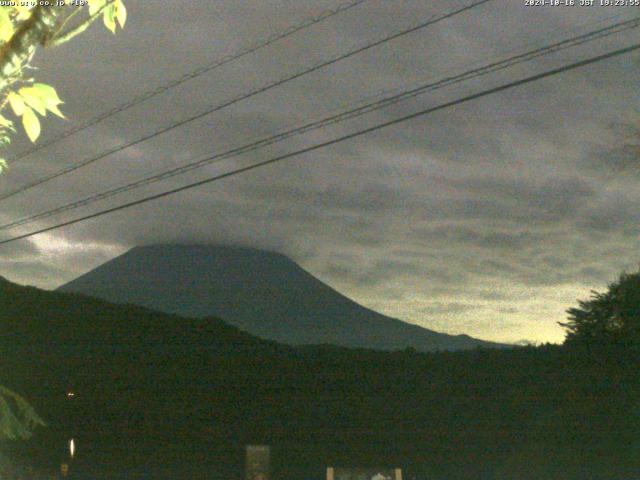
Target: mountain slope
x=151 y=390
x=263 y=293
x=165 y=397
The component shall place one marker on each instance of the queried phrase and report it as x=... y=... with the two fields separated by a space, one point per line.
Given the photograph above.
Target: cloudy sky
x=489 y=218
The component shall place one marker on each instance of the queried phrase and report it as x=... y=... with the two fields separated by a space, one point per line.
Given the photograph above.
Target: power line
x=306 y=23
x=405 y=118
x=353 y=113
x=282 y=81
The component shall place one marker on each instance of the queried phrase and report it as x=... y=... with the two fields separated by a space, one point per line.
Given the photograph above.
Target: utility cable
x=306 y=23
x=333 y=119
x=443 y=106
x=282 y=81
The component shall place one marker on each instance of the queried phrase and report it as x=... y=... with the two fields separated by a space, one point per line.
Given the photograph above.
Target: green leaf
x=121 y=13
x=95 y=5
x=32 y=98
x=109 y=17
x=31 y=124
x=54 y=109
x=47 y=93
x=17 y=417
x=17 y=104
x=49 y=97
x=3 y=165
x=6 y=25
x=6 y=123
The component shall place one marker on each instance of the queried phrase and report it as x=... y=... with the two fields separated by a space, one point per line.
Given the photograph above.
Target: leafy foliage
x=114 y=11
x=609 y=318
x=38 y=98
x=28 y=99
x=17 y=417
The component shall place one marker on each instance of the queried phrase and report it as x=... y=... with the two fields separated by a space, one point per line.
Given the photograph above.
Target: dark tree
x=608 y=319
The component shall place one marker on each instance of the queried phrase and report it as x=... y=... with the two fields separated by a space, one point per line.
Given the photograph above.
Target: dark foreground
x=163 y=397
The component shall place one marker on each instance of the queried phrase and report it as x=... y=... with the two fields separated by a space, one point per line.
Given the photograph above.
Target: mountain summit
x=261 y=292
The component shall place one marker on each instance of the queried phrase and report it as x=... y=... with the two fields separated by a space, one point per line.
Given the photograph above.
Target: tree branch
x=65 y=22
x=60 y=38
x=32 y=32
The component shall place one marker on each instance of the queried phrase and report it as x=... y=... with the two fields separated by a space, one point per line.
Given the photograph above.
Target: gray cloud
x=490 y=218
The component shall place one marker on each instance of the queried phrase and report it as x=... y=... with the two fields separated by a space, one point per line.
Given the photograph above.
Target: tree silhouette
x=609 y=319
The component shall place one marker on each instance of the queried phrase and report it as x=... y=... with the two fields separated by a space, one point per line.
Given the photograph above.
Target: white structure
x=257 y=462
x=373 y=473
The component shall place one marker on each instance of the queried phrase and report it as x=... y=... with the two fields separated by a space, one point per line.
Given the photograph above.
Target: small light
x=71 y=394
x=72 y=447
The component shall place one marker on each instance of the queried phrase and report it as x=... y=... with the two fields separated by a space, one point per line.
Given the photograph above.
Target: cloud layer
x=490 y=218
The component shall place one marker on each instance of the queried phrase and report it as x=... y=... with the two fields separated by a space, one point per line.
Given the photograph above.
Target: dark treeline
x=158 y=396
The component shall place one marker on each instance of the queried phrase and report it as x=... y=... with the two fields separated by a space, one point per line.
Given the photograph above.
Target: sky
x=490 y=218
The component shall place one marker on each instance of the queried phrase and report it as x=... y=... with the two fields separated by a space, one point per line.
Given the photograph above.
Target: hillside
x=263 y=293
x=164 y=397
x=140 y=379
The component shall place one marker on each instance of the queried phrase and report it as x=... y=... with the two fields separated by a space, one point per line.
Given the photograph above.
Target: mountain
x=158 y=396
x=263 y=293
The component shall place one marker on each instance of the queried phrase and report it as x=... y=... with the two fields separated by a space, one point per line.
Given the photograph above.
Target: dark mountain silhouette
x=152 y=392
x=165 y=397
x=263 y=293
